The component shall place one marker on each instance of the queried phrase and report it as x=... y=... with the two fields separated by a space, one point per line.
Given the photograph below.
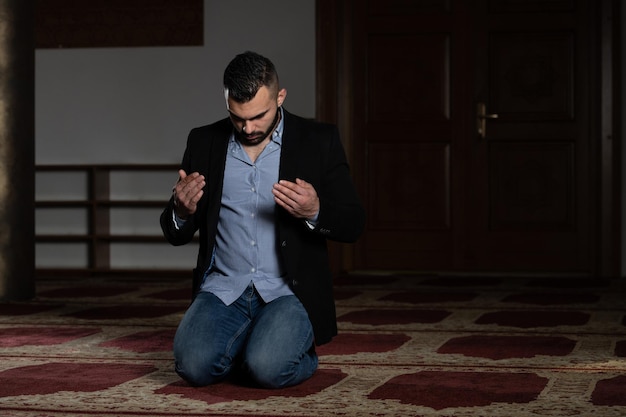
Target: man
x=265 y=189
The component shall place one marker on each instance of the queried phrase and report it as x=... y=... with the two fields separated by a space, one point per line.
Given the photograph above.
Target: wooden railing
x=88 y=195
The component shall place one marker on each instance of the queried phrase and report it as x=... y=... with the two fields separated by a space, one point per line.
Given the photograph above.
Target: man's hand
x=187 y=192
x=298 y=198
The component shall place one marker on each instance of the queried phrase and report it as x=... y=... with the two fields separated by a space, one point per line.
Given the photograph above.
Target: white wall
x=136 y=105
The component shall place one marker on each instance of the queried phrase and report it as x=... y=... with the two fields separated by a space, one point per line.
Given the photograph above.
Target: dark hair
x=246 y=73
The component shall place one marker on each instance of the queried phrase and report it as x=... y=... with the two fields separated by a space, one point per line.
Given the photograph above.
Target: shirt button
x=252 y=269
x=253 y=243
x=283 y=243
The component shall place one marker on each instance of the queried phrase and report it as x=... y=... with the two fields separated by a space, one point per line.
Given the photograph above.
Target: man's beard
x=254 y=138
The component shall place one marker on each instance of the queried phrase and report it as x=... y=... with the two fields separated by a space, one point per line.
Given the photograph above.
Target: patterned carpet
x=408 y=346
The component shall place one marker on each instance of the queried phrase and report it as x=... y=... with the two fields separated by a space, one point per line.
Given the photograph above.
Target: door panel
x=421 y=62
x=533 y=206
x=533 y=75
x=439 y=195
x=531 y=186
x=408 y=138
x=397 y=208
x=405 y=129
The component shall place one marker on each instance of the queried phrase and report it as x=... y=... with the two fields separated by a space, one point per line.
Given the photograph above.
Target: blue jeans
x=272 y=342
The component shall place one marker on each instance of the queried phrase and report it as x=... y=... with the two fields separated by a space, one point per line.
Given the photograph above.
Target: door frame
x=334 y=88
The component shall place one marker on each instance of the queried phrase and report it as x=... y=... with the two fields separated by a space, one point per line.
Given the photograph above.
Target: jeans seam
x=232 y=340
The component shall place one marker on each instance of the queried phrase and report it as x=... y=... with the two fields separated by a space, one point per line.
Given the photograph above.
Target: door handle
x=481 y=119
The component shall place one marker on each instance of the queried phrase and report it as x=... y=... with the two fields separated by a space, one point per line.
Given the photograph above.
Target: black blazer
x=311 y=151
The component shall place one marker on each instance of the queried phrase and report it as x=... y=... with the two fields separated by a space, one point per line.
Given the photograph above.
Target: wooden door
x=533 y=203
x=520 y=196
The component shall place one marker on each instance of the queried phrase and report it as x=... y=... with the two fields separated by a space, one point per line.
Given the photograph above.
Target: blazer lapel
x=289 y=153
x=217 y=158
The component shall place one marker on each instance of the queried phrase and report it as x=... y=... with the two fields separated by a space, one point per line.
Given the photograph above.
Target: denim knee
x=269 y=374
x=200 y=373
x=276 y=371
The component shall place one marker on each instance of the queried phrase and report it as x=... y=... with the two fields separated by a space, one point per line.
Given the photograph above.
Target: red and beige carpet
x=408 y=346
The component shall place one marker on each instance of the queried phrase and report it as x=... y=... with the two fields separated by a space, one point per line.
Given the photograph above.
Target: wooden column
x=17 y=157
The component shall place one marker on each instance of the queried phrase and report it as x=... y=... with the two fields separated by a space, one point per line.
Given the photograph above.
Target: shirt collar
x=277 y=134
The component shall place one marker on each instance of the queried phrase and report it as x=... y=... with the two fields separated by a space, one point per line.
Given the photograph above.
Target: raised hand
x=298 y=198
x=187 y=192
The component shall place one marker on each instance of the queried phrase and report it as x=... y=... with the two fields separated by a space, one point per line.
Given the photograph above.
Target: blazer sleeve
x=341 y=216
x=183 y=234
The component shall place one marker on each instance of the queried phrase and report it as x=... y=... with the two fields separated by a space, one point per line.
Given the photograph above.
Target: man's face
x=256 y=119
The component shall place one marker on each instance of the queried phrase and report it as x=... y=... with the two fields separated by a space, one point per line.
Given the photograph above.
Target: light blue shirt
x=246 y=249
